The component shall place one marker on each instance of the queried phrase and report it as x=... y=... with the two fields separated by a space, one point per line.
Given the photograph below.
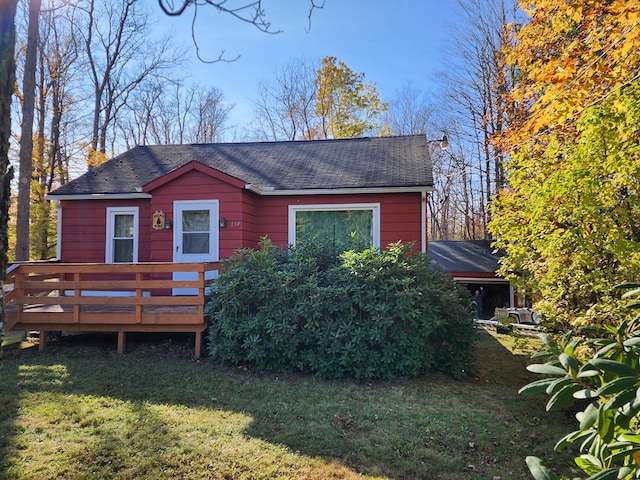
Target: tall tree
x=307 y=101
x=209 y=115
x=165 y=112
x=474 y=82
x=55 y=105
x=568 y=220
x=59 y=50
x=120 y=56
x=454 y=204
x=409 y=113
x=26 y=134
x=346 y=106
x=7 y=81
x=285 y=106
x=569 y=55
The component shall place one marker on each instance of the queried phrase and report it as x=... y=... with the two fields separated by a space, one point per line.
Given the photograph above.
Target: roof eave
x=98 y=196
x=338 y=191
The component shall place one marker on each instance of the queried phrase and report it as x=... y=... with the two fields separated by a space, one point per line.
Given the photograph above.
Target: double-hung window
x=342 y=226
x=122 y=235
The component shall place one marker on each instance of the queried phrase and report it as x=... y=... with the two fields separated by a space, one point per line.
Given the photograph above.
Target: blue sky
x=393 y=42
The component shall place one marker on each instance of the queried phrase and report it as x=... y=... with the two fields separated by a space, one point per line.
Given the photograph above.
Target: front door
x=195 y=237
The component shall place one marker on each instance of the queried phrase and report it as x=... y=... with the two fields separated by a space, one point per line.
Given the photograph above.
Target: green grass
x=80 y=411
x=12 y=338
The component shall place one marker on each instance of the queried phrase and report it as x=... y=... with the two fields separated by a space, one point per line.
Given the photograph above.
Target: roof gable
x=362 y=163
x=190 y=167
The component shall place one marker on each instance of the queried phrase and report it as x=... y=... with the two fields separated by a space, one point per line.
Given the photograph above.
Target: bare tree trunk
x=40 y=210
x=26 y=135
x=7 y=80
x=475 y=93
x=55 y=149
x=120 y=56
x=467 y=205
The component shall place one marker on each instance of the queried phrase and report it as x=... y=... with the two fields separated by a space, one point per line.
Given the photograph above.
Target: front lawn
x=80 y=411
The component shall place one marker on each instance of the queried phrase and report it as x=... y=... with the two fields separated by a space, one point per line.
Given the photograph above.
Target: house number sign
x=158 y=220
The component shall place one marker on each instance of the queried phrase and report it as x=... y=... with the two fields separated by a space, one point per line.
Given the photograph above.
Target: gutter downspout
x=423 y=214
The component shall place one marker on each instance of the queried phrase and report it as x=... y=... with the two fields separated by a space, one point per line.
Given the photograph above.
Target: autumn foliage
x=345 y=105
x=569 y=56
x=568 y=219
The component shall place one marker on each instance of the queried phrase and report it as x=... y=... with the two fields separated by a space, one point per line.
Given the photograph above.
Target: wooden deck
x=118 y=298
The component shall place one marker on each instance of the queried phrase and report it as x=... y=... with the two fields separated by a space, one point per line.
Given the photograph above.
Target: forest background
x=539 y=103
x=105 y=81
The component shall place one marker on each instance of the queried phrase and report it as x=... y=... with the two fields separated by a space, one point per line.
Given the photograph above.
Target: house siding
x=400 y=214
x=248 y=218
x=84 y=229
x=195 y=185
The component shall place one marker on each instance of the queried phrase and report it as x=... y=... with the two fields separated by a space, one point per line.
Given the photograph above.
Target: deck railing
x=136 y=297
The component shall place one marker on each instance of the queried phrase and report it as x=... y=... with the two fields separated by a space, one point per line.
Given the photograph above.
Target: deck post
x=42 y=340
x=77 y=292
x=19 y=291
x=121 y=342
x=198 y=344
x=139 y=279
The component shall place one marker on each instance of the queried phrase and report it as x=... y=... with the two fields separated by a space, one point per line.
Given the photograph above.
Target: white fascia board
x=98 y=196
x=338 y=191
x=480 y=279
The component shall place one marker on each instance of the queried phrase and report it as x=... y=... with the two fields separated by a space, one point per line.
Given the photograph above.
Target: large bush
x=371 y=314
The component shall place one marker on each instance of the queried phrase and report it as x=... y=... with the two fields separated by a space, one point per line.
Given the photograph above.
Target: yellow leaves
x=575 y=13
x=570 y=55
x=349 y=108
x=630 y=11
x=95 y=157
x=557 y=70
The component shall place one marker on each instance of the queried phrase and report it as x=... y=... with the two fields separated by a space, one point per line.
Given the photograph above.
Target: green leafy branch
x=609 y=381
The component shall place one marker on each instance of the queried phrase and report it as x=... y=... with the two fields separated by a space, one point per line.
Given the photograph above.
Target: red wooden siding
x=84 y=229
x=400 y=215
x=196 y=185
x=248 y=225
x=248 y=217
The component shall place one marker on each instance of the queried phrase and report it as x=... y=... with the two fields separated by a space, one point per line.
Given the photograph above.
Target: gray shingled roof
x=473 y=256
x=379 y=162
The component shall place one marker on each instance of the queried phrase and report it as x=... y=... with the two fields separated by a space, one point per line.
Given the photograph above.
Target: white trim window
x=122 y=235
x=344 y=226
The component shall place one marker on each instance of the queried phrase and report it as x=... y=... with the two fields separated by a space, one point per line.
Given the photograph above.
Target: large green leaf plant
x=602 y=373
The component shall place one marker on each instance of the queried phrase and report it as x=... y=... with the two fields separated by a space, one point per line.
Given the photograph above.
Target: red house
x=192 y=203
x=124 y=225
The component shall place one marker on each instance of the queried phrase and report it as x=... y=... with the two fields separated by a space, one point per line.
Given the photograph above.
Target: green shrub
x=370 y=314
x=604 y=374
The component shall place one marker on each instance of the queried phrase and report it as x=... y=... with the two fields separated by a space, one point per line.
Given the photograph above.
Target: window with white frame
x=343 y=226
x=122 y=235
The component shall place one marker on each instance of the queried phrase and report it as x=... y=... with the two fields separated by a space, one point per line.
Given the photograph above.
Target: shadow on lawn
x=384 y=428
x=62 y=369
